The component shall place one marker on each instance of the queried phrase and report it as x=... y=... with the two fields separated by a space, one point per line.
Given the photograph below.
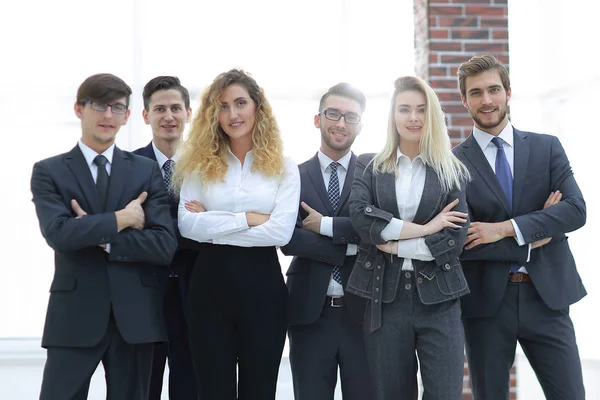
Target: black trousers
x=318 y=349
x=546 y=336
x=182 y=385
x=237 y=318
x=68 y=370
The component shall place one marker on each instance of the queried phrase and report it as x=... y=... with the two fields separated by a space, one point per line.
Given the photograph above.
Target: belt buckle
x=333 y=304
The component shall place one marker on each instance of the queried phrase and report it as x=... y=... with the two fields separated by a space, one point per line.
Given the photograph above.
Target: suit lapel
x=347 y=183
x=430 y=199
x=79 y=168
x=521 y=159
x=148 y=151
x=481 y=166
x=119 y=173
x=386 y=192
x=314 y=172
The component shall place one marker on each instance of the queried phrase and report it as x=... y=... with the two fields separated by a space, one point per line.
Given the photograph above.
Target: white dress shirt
x=242 y=190
x=162 y=159
x=89 y=156
x=326 y=228
x=489 y=149
x=410 y=183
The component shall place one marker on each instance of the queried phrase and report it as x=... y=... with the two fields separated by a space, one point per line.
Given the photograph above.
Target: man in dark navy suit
x=167 y=110
x=105 y=213
x=325 y=323
x=523 y=199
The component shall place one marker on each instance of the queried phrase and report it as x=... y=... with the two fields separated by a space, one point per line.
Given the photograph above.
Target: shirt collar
x=400 y=155
x=484 y=139
x=90 y=154
x=324 y=160
x=160 y=156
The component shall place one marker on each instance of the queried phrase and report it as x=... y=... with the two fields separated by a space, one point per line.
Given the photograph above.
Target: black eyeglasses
x=334 y=115
x=115 y=108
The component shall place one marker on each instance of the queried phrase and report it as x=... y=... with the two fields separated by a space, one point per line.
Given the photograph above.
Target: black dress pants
x=238 y=305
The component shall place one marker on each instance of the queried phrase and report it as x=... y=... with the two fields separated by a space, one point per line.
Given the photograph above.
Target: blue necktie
x=333 y=191
x=505 y=178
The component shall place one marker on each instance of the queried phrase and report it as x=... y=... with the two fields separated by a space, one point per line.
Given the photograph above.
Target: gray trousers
x=409 y=329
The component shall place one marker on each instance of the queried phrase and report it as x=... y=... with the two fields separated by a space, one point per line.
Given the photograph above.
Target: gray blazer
x=375 y=274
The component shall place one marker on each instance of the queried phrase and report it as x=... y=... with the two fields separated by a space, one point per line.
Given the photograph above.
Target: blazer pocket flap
x=63 y=283
x=150 y=280
x=451 y=279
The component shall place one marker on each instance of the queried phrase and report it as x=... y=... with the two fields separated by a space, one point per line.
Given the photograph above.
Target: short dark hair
x=165 y=83
x=478 y=65
x=103 y=88
x=345 y=90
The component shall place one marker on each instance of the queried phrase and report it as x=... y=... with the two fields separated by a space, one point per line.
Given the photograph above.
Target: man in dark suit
x=167 y=110
x=325 y=330
x=523 y=199
x=105 y=213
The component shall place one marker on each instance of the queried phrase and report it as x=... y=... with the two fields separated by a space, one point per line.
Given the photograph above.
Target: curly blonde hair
x=205 y=149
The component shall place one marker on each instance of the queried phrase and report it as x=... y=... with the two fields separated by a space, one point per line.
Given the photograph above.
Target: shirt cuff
x=518 y=235
x=352 y=249
x=107 y=248
x=326 y=228
x=528 y=252
x=392 y=230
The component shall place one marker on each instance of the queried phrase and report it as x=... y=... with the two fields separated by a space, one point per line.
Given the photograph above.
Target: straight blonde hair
x=435 y=147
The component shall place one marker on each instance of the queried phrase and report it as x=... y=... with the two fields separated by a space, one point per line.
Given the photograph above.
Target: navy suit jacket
x=315 y=255
x=88 y=282
x=540 y=167
x=187 y=250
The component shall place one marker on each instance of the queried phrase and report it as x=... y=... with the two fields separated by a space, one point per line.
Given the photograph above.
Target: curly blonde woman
x=239 y=199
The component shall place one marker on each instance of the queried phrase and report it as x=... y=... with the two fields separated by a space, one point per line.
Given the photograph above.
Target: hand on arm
x=313 y=220
x=132 y=216
x=490 y=232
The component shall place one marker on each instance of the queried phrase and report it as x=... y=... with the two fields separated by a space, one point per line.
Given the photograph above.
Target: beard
x=492 y=124
x=326 y=136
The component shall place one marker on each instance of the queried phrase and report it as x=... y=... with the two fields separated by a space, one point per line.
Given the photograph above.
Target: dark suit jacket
x=88 y=282
x=187 y=249
x=373 y=204
x=315 y=255
x=540 y=167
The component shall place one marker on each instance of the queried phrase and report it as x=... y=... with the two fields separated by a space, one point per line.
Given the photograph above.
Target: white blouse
x=241 y=191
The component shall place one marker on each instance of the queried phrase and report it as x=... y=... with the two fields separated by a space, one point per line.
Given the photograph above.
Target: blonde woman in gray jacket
x=408 y=206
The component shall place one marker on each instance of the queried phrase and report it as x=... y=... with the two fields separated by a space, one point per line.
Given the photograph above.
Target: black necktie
x=333 y=191
x=102 y=179
x=168 y=168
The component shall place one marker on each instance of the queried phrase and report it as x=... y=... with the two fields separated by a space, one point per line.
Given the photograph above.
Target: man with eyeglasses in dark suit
x=325 y=323
x=105 y=213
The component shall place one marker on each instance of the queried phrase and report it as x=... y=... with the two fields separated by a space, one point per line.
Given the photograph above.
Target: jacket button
x=376 y=300
x=451 y=242
x=377 y=289
x=378 y=278
x=379 y=267
x=407 y=286
x=407 y=274
x=368 y=209
x=368 y=264
x=447 y=267
x=419 y=280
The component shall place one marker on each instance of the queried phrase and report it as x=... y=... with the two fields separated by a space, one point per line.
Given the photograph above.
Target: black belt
x=335 y=302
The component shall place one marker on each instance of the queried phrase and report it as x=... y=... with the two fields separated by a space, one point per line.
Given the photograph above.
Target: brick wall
x=447 y=33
